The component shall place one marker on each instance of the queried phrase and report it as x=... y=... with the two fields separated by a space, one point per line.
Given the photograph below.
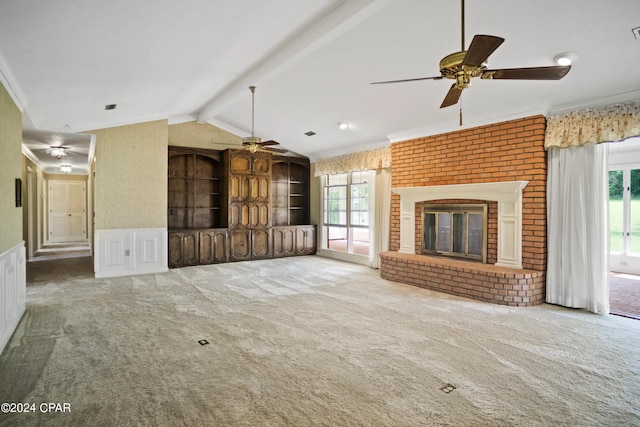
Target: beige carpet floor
x=309 y=341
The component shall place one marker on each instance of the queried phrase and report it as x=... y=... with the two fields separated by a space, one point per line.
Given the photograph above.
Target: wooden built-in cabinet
x=294 y=240
x=236 y=205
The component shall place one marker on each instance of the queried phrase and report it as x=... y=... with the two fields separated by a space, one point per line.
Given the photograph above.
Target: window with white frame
x=346 y=212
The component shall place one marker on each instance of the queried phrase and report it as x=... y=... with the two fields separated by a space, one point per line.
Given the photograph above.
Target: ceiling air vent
x=110 y=106
x=310 y=133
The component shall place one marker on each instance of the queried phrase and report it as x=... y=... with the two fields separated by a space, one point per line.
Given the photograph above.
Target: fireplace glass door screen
x=455 y=230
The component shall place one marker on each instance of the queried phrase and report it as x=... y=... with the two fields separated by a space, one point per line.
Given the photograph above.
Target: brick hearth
x=485 y=282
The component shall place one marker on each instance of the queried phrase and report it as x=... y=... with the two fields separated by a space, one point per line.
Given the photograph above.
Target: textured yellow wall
x=10 y=169
x=131 y=176
x=192 y=134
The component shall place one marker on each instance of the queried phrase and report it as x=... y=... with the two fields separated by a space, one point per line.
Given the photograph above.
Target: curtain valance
x=596 y=125
x=379 y=158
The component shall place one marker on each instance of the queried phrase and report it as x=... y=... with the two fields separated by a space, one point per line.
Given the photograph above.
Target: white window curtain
x=380 y=214
x=577 y=227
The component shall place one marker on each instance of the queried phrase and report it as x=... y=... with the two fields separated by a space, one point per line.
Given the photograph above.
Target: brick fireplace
x=503 y=164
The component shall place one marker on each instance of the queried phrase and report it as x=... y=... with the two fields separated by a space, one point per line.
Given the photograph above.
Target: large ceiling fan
x=464 y=65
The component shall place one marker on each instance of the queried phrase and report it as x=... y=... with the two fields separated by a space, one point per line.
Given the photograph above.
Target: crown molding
x=29 y=155
x=10 y=84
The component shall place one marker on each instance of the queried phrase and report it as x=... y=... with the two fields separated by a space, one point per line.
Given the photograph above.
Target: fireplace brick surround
x=507 y=151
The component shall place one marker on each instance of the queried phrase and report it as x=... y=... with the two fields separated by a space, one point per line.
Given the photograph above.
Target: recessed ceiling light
x=110 y=106
x=343 y=125
x=310 y=133
x=565 y=58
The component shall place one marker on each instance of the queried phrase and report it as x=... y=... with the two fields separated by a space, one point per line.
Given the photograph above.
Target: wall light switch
x=127 y=252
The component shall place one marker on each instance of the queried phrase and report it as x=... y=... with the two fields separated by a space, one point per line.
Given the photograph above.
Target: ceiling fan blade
x=452 y=96
x=533 y=73
x=276 y=150
x=270 y=142
x=480 y=48
x=407 y=80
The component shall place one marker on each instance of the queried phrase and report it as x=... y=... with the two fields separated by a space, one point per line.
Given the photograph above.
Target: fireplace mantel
x=508 y=194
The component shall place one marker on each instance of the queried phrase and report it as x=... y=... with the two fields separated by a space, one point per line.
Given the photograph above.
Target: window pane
x=359 y=177
x=459 y=232
x=634 y=239
x=616 y=223
x=337 y=238
x=337 y=179
x=360 y=241
x=359 y=204
x=444 y=232
x=475 y=234
x=429 y=228
x=335 y=205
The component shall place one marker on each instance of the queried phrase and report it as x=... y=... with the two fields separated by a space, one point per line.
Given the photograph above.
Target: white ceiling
x=312 y=61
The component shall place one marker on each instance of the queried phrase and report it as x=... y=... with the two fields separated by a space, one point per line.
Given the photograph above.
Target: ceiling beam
x=335 y=22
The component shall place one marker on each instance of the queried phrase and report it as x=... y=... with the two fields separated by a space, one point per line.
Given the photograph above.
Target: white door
x=67 y=219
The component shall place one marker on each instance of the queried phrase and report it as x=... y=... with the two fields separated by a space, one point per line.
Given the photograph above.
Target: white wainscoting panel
x=123 y=252
x=13 y=291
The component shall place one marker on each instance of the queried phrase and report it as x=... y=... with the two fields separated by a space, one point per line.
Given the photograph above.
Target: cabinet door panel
x=283 y=242
x=175 y=249
x=245 y=188
x=234 y=187
x=264 y=217
x=220 y=242
x=239 y=245
x=234 y=214
x=190 y=248
x=213 y=246
x=260 y=243
x=255 y=188
x=261 y=165
x=245 y=218
x=264 y=185
x=305 y=240
x=240 y=163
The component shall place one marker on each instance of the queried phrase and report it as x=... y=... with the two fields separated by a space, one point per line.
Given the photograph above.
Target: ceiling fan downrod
x=462 y=45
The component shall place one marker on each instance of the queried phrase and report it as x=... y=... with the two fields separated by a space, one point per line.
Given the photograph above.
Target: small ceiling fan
x=464 y=65
x=255 y=143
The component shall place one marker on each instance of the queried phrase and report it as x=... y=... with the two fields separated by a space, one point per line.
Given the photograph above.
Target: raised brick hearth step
x=484 y=282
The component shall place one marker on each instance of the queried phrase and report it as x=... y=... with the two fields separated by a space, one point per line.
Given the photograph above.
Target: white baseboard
x=343 y=256
x=124 y=252
x=13 y=291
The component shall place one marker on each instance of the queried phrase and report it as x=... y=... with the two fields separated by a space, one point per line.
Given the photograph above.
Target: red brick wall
x=507 y=151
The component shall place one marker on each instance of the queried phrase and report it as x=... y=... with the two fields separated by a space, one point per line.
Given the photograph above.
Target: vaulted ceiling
x=312 y=61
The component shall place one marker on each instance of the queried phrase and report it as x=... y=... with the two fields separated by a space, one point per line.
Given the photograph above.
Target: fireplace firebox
x=455 y=230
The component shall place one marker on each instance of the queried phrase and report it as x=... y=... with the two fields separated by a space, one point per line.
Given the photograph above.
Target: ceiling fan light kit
x=58 y=152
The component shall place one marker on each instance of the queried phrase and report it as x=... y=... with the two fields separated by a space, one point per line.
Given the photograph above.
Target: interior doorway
x=67 y=211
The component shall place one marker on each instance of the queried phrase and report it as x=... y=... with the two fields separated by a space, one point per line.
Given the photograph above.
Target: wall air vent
x=110 y=106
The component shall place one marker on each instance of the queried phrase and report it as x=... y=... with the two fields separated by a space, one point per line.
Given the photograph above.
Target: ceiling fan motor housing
x=451 y=68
